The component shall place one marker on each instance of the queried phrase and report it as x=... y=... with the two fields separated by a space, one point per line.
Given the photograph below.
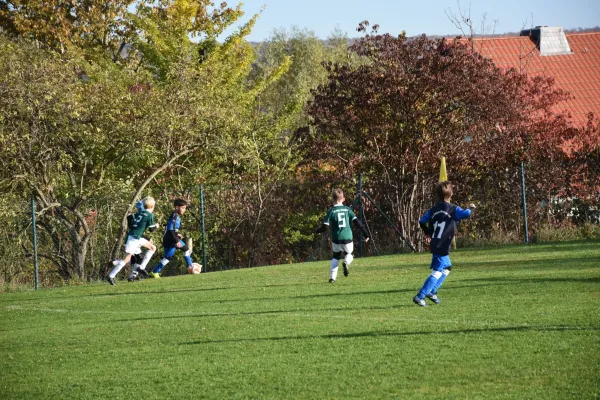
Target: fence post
x=360 y=214
x=35 y=253
x=394 y=226
x=524 y=197
x=204 y=266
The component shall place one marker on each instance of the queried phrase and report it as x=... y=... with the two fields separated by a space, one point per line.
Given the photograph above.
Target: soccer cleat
x=111 y=280
x=345 y=266
x=433 y=298
x=420 y=302
x=331 y=280
x=154 y=275
x=142 y=273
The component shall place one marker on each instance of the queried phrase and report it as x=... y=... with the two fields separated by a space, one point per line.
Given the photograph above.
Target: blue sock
x=159 y=267
x=429 y=284
x=439 y=282
x=188 y=260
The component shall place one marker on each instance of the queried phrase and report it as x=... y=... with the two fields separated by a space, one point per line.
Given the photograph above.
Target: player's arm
x=322 y=228
x=325 y=225
x=462 y=213
x=424 y=222
x=176 y=226
x=171 y=232
x=358 y=224
x=362 y=228
x=130 y=221
x=151 y=224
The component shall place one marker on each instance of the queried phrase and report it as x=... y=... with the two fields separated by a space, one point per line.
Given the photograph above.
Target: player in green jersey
x=139 y=222
x=338 y=220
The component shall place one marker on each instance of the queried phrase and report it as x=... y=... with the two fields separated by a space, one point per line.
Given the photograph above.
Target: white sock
x=334 y=268
x=116 y=269
x=147 y=258
x=348 y=258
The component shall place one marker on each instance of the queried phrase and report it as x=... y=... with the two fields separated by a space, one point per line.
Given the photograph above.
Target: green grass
x=515 y=322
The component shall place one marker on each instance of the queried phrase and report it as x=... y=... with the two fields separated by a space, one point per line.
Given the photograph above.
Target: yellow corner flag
x=443 y=174
x=444 y=177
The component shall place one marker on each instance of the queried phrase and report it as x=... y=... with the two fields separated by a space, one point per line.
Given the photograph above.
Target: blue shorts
x=170 y=251
x=439 y=263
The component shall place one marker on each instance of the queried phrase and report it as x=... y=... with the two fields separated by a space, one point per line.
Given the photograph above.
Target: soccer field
x=517 y=322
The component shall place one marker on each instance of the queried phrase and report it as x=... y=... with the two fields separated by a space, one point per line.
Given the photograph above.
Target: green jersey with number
x=140 y=222
x=338 y=219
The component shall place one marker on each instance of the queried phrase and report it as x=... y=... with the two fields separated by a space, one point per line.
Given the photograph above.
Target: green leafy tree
x=65 y=133
x=88 y=137
x=59 y=24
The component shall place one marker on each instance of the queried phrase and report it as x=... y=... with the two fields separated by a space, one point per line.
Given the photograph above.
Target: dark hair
x=179 y=203
x=443 y=191
x=337 y=195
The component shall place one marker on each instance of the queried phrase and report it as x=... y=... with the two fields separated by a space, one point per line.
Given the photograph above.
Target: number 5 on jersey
x=341 y=220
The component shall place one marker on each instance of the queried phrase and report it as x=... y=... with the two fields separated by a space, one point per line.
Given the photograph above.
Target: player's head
x=180 y=206
x=337 y=196
x=149 y=203
x=443 y=191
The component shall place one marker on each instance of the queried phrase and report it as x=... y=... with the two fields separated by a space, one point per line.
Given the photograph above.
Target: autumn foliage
x=414 y=100
x=102 y=103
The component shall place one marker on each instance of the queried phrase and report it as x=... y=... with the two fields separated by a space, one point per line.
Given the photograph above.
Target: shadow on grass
x=108 y=294
x=508 y=280
x=544 y=247
x=525 y=328
x=202 y=289
x=267 y=312
x=545 y=264
x=307 y=296
x=549 y=264
x=150 y=292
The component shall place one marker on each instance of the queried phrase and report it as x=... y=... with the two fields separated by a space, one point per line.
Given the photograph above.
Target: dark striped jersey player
x=172 y=240
x=439 y=224
x=339 y=219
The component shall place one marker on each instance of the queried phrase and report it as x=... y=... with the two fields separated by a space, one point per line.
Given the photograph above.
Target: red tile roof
x=578 y=73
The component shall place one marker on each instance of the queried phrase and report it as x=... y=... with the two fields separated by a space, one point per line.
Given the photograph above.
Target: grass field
x=518 y=322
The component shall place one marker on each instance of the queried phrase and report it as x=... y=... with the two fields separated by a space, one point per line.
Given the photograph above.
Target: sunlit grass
x=515 y=322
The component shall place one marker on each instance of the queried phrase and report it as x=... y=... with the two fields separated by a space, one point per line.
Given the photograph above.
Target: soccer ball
x=195 y=268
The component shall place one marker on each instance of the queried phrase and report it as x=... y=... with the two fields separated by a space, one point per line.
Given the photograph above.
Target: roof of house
x=576 y=71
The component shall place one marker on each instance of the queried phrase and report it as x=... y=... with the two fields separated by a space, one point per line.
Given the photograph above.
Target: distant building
x=572 y=59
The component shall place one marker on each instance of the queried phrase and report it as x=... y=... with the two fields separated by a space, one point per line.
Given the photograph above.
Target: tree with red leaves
x=413 y=100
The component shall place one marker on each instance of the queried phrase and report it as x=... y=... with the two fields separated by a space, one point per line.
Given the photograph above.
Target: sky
x=414 y=16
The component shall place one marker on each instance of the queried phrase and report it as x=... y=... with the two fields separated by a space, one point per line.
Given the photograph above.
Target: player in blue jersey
x=439 y=224
x=338 y=220
x=172 y=240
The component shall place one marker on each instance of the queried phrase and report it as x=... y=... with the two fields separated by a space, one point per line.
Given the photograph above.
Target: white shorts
x=134 y=246
x=348 y=248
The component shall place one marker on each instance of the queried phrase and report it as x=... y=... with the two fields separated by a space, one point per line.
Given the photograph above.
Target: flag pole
x=444 y=177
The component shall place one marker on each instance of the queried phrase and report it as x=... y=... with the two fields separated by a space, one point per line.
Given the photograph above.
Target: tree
x=83 y=133
x=414 y=100
x=55 y=129
x=59 y=24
